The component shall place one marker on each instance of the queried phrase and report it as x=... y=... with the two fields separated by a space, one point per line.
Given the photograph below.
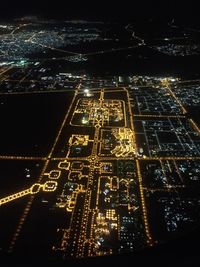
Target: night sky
x=118 y=10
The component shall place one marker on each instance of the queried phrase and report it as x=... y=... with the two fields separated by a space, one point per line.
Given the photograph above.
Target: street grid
x=100 y=183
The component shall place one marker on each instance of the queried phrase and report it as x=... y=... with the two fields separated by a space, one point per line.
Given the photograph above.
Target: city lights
x=107 y=160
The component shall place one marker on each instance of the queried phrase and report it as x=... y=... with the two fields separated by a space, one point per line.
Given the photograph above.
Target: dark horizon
x=100 y=133
x=102 y=10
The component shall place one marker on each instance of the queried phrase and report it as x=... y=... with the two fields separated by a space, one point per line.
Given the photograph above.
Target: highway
x=79 y=238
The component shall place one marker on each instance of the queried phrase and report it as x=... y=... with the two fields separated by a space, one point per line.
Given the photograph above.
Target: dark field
x=29 y=123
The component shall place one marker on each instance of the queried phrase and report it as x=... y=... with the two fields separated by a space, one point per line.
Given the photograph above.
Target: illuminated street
x=111 y=162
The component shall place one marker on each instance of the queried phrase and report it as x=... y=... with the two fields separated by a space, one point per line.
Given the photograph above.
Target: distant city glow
x=96 y=159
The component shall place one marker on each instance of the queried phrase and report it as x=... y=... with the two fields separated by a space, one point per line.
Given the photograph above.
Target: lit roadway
x=47 y=160
x=85 y=215
x=81 y=230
